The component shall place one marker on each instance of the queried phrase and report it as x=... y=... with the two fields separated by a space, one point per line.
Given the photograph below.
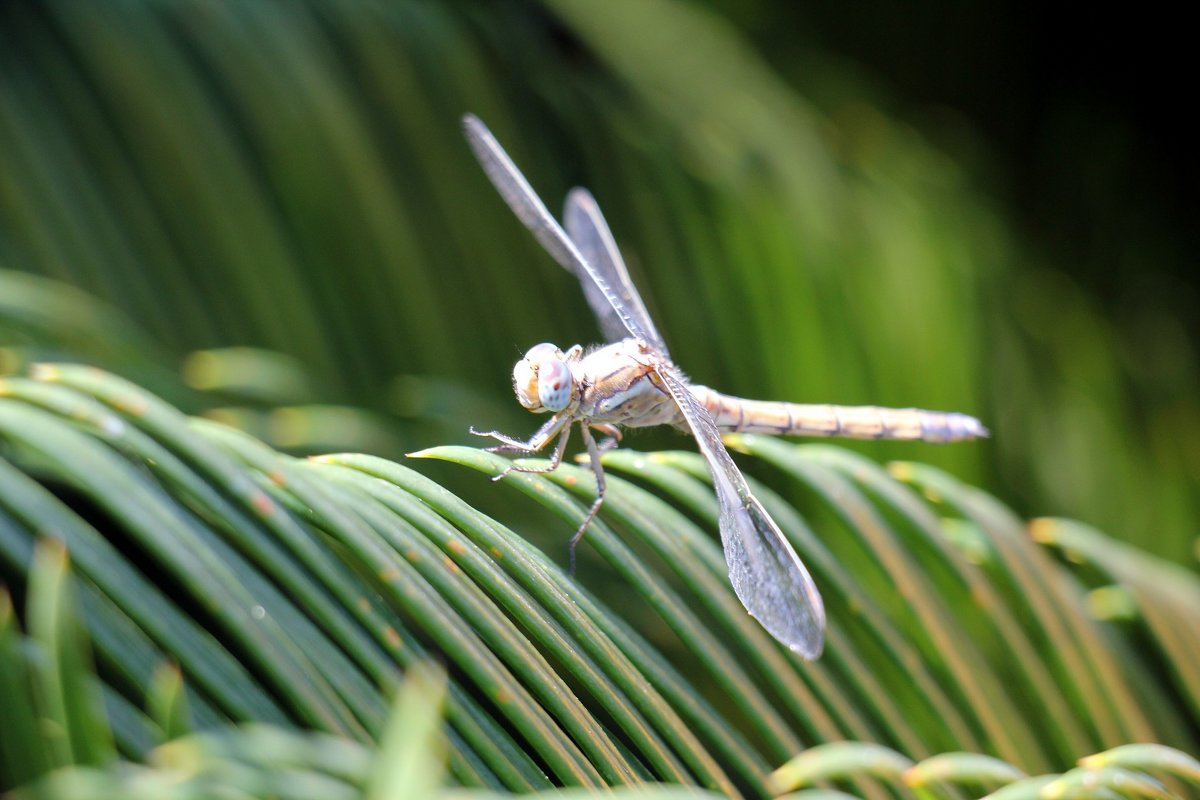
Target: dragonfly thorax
x=543 y=380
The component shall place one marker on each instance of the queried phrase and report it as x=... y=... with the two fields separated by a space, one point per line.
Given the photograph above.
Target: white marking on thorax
x=619 y=387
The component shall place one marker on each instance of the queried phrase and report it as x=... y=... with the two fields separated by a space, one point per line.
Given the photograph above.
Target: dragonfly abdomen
x=738 y=415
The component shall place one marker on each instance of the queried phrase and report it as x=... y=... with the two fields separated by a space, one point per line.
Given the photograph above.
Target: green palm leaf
x=290 y=178
x=294 y=592
x=279 y=190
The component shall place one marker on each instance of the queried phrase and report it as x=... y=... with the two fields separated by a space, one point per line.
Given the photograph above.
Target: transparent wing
x=588 y=230
x=767 y=575
x=521 y=198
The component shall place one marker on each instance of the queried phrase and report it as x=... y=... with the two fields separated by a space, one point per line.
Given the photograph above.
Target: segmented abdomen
x=736 y=415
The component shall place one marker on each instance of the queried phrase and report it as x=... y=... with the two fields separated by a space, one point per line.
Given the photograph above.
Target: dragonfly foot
x=591 y=515
x=549 y=467
x=571 y=547
x=506 y=448
x=507 y=443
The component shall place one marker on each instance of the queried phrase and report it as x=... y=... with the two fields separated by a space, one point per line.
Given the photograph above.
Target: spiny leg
x=508 y=444
x=612 y=436
x=556 y=424
x=594 y=452
x=540 y=438
x=555 y=458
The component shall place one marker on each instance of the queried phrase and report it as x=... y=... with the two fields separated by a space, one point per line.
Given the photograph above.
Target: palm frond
x=289 y=178
x=296 y=592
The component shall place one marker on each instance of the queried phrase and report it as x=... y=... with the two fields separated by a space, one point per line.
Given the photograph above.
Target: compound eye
x=527 y=376
x=525 y=385
x=540 y=352
x=554 y=384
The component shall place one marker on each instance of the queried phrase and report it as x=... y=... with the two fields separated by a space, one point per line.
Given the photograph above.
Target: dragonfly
x=632 y=382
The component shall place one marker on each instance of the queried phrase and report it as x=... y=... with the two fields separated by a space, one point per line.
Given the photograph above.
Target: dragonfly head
x=543 y=380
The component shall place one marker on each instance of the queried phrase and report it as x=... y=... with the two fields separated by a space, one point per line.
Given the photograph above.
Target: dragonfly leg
x=612 y=436
x=555 y=458
x=594 y=452
x=559 y=423
x=540 y=438
x=507 y=443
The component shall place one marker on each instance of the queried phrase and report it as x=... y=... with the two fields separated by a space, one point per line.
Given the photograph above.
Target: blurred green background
x=265 y=211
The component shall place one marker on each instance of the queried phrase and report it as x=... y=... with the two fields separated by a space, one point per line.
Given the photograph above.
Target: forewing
x=588 y=230
x=521 y=198
x=767 y=575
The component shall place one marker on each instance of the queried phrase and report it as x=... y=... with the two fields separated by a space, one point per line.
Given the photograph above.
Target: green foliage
x=289 y=177
x=292 y=594
x=278 y=191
